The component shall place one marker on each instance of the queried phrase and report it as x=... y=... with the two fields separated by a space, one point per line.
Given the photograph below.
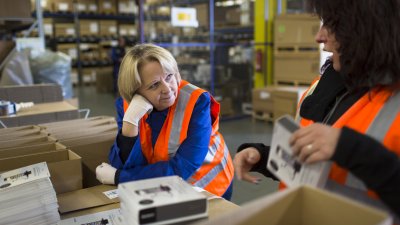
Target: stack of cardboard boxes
x=296 y=65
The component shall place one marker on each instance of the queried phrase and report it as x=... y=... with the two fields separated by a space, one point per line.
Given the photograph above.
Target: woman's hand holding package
x=314 y=143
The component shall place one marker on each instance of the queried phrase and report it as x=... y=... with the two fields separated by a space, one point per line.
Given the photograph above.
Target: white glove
x=136 y=109
x=105 y=173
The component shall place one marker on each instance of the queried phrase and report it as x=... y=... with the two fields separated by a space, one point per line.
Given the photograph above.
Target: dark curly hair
x=368 y=32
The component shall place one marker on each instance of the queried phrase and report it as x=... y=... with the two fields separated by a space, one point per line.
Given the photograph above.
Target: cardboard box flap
x=76 y=122
x=303 y=205
x=91 y=139
x=85 y=198
x=40 y=139
x=31 y=149
x=28 y=128
x=84 y=131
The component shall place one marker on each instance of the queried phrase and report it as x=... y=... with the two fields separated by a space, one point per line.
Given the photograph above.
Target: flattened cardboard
x=84 y=131
x=16 y=129
x=91 y=121
x=40 y=139
x=85 y=198
x=31 y=149
x=37 y=93
x=303 y=205
x=65 y=167
x=36 y=132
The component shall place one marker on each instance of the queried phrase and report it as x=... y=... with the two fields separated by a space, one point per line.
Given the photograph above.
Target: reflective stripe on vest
x=177 y=122
x=378 y=130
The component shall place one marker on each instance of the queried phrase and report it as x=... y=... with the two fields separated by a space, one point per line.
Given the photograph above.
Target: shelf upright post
x=78 y=35
x=141 y=21
x=212 y=44
x=39 y=21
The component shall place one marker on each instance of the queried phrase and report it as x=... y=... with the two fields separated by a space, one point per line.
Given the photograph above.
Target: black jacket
x=365 y=157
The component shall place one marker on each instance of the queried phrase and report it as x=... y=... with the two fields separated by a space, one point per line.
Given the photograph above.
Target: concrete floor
x=235 y=132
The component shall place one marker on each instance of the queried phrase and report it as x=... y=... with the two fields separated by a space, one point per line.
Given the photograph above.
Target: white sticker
x=94 y=27
x=92 y=7
x=111 y=194
x=73 y=53
x=107 y=5
x=264 y=95
x=112 y=29
x=48 y=28
x=63 y=6
x=70 y=31
x=123 y=32
x=81 y=7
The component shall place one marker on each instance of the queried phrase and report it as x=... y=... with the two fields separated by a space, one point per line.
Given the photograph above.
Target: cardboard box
x=31 y=149
x=88 y=122
x=202 y=14
x=65 y=6
x=19 y=142
x=296 y=67
x=42 y=113
x=26 y=131
x=295 y=29
x=67 y=134
x=89 y=27
x=65 y=29
x=104 y=80
x=285 y=100
x=38 y=93
x=108 y=27
x=15 y=9
x=262 y=99
x=94 y=150
x=108 y=6
x=85 y=199
x=303 y=205
x=88 y=6
x=65 y=167
x=226 y=106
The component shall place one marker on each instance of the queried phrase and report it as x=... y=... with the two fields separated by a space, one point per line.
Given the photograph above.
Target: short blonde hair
x=129 y=80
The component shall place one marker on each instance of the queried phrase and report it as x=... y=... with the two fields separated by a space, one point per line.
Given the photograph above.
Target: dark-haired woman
x=351 y=114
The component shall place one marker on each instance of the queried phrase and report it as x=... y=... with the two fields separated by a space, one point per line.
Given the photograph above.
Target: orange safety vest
x=216 y=173
x=376 y=114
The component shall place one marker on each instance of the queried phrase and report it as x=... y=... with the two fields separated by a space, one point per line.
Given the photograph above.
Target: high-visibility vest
x=376 y=114
x=216 y=173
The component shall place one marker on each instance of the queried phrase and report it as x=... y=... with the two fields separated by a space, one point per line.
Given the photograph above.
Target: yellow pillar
x=263 y=27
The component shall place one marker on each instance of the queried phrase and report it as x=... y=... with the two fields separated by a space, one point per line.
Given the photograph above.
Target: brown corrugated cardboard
x=108 y=6
x=85 y=198
x=19 y=142
x=15 y=9
x=5 y=49
x=11 y=133
x=65 y=167
x=30 y=149
x=296 y=67
x=68 y=134
x=262 y=99
x=303 y=205
x=104 y=79
x=94 y=150
x=38 y=93
x=98 y=120
x=16 y=129
x=42 y=113
x=295 y=29
x=285 y=100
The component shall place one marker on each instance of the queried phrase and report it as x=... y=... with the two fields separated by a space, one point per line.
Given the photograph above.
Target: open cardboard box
x=303 y=205
x=31 y=149
x=65 y=167
x=94 y=150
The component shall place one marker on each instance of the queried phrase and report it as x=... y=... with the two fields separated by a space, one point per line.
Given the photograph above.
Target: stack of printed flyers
x=27 y=196
x=164 y=200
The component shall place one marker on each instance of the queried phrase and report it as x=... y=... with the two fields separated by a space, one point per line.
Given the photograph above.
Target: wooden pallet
x=295 y=83
x=264 y=116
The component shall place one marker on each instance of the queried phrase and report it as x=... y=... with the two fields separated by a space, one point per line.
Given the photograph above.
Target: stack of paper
x=27 y=196
x=109 y=217
x=164 y=200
